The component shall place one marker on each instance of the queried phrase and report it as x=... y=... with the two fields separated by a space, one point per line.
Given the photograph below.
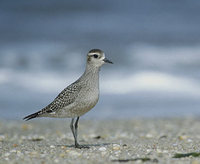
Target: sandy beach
x=47 y=141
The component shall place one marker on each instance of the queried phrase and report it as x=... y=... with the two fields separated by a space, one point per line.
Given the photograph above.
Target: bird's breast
x=88 y=98
x=91 y=96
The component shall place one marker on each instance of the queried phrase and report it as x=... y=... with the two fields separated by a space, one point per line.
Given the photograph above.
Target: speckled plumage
x=66 y=97
x=79 y=97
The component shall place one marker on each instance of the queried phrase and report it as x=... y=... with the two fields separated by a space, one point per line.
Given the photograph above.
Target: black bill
x=107 y=61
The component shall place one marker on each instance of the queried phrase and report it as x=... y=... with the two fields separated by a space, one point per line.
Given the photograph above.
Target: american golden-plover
x=79 y=97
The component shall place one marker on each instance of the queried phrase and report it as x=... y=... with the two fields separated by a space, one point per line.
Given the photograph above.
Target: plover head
x=96 y=57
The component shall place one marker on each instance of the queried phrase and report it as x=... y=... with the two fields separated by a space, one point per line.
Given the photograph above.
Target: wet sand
x=138 y=140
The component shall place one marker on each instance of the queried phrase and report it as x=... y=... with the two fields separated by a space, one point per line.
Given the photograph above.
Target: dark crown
x=95 y=51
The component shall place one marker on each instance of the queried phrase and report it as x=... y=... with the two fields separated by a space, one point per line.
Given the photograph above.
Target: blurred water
x=155 y=47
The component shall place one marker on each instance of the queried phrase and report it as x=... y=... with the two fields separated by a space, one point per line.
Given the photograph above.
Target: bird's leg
x=72 y=128
x=76 y=133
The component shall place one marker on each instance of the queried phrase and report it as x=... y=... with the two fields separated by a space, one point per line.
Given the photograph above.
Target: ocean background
x=155 y=47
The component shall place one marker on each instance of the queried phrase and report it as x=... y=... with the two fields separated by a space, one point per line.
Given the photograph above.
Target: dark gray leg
x=76 y=132
x=74 y=129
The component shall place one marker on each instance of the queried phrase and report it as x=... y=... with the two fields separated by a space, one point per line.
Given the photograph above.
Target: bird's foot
x=81 y=146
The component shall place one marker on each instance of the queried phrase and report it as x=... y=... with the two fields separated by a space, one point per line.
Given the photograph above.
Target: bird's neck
x=90 y=69
x=91 y=74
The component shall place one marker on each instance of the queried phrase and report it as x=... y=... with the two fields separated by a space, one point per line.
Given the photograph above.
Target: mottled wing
x=66 y=97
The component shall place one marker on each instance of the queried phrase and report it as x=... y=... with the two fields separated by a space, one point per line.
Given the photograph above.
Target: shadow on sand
x=87 y=145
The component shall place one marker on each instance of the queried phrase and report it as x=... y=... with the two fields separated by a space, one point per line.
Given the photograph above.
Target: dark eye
x=95 y=56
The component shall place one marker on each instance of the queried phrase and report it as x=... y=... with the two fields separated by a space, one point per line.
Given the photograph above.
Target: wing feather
x=66 y=97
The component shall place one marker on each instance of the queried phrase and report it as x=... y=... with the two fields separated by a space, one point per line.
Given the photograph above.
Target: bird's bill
x=107 y=61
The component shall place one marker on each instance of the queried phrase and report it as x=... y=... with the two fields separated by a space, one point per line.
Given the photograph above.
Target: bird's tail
x=31 y=116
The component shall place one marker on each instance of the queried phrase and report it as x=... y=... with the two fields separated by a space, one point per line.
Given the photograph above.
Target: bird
x=79 y=97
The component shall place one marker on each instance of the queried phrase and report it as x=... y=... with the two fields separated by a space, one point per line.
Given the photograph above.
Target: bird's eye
x=95 y=56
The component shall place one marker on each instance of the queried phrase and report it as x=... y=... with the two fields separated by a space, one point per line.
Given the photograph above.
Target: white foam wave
x=42 y=82
x=151 y=81
x=120 y=84
x=165 y=57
